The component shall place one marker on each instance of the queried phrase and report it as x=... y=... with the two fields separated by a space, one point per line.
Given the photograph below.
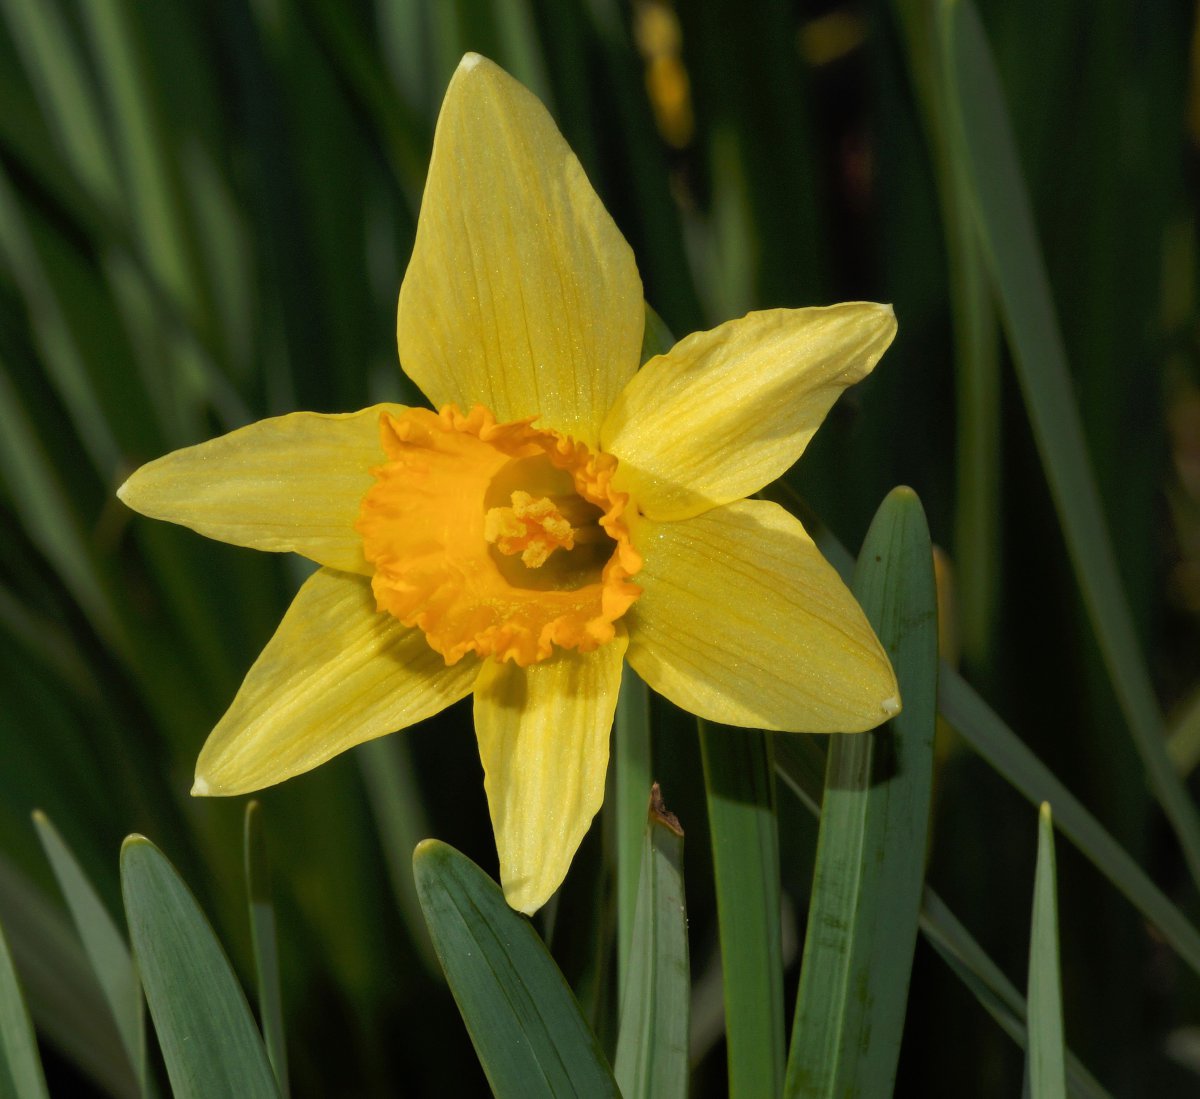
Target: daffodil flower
x=561 y=512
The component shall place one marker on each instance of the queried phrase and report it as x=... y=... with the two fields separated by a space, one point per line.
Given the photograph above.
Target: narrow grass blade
x=652 y=1046
x=1046 y=1051
x=1009 y=237
x=104 y=944
x=988 y=984
x=205 y=1030
x=263 y=939
x=632 y=768
x=60 y=988
x=20 y=1066
x=976 y=346
x=522 y=1017
x=862 y=924
x=739 y=778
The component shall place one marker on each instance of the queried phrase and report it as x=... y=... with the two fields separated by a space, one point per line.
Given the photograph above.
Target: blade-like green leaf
x=104 y=944
x=862 y=924
x=60 y=987
x=1046 y=1060
x=652 y=1046
x=263 y=938
x=739 y=777
x=1010 y=244
x=631 y=768
x=205 y=1030
x=20 y=1066
x=522 y=1017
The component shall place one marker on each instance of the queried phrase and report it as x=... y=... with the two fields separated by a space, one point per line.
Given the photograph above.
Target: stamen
x=532 y=527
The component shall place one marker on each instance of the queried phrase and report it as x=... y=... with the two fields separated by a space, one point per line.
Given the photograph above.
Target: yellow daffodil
x=561 y=512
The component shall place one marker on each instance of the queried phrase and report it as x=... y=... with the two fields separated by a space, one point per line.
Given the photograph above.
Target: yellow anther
x=532 y=527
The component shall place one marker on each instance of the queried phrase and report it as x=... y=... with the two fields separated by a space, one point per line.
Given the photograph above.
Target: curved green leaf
x=522 y=1017
x=103 y=942
x=205 y=1030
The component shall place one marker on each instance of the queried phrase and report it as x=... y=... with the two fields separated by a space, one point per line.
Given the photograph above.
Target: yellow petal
x=336 y=673
x=727 y=411
x=521 y=294
x=742 y=621
x=543 y=738
x=292 y=483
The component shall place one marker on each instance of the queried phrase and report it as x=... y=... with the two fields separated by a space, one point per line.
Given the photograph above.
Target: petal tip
x=524 y=900
x=201 y=788
x=469 y=61
x=891 y=705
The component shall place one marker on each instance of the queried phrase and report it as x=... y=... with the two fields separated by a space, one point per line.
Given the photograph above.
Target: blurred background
x=205 y=215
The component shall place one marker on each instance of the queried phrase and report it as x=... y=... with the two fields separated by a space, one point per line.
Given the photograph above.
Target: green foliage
x=870 y=859
x=652 y=1047
x=523 y=1019
x=209 y=1042
x=1046 y=1067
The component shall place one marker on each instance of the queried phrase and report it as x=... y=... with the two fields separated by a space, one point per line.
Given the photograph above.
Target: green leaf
x=205 y=1030
x=104 y=944
x=652 y=1046
x=60 y=987
x=738 y=776
x=20 y=1067
x=862 y=924
x=994 y=991
x=1046 y=1059
x=263 y=939
x=631 y=767
x=1007 y=230
x=522 y=1017
x=940 y=927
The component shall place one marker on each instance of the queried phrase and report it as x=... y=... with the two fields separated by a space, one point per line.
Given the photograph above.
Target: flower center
x=498 y=539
